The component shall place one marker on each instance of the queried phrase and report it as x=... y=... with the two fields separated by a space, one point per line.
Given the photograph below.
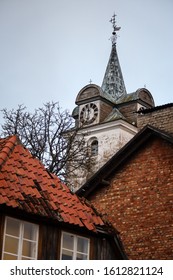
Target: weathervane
x=115 y=28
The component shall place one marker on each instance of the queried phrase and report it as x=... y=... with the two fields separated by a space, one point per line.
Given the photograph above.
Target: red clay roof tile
x=25 y=184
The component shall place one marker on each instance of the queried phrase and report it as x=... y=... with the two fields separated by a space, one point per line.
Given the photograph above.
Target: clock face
x=89 y=113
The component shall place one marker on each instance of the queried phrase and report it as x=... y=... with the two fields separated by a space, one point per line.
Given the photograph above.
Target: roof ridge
x=10 y=142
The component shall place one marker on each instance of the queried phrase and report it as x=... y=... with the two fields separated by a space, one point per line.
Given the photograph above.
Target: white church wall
x=111 y=137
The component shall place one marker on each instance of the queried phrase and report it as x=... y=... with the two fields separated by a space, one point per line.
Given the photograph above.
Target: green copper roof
x=114 y=115
x=113 y=83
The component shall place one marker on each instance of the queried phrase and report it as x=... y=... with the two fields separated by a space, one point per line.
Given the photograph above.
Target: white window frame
x=20 y=239
x=74 y=250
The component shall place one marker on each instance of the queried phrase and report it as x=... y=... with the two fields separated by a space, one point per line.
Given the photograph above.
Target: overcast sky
x=50 y=49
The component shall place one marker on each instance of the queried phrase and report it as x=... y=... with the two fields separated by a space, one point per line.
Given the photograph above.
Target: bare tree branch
x=44 y=134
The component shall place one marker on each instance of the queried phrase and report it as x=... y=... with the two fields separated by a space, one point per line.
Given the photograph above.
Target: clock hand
x=88 y=112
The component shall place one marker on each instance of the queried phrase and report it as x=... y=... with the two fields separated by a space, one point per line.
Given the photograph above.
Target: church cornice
x=118 y=123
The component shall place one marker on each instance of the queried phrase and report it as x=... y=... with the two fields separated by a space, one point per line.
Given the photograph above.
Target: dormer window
x=20 y=240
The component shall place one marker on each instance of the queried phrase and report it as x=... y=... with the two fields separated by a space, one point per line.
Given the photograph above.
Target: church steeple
x=104 y=116
x=113 y=83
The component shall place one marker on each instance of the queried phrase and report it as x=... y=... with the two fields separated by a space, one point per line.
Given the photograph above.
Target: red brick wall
x=139 y=202
x=161 y=118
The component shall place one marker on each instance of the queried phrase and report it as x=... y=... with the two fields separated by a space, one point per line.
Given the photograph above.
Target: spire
x=113 y=82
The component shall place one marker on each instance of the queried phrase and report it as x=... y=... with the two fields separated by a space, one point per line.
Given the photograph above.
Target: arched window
x=94 y=148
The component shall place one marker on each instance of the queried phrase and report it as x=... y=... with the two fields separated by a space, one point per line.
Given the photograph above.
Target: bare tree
x=44 y=133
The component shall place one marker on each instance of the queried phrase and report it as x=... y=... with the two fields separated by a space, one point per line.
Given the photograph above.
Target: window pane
x=81 y=256
x=67 y=255
x=30 y=231
x=94 y=148
x=20 y=239
x=74 y=247
x=12 y=226
x=82 y=245
x=9 y=257
x=68 y=241
x=11 y=244
x=29 y=249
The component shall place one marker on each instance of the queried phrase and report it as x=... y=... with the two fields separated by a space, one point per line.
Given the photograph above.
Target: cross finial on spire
x=115 y=28
x=113 y=83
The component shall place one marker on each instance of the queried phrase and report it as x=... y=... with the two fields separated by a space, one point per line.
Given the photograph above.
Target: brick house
x=159 y=116
x=134 y=189
x=40 y=218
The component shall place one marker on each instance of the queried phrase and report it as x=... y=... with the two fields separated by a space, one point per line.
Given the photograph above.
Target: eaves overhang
x=157 y=108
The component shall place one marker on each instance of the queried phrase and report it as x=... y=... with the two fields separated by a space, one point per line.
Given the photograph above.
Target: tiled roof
x=26 y=185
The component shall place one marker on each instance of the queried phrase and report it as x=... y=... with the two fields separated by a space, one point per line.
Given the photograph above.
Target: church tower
x=106 y=115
